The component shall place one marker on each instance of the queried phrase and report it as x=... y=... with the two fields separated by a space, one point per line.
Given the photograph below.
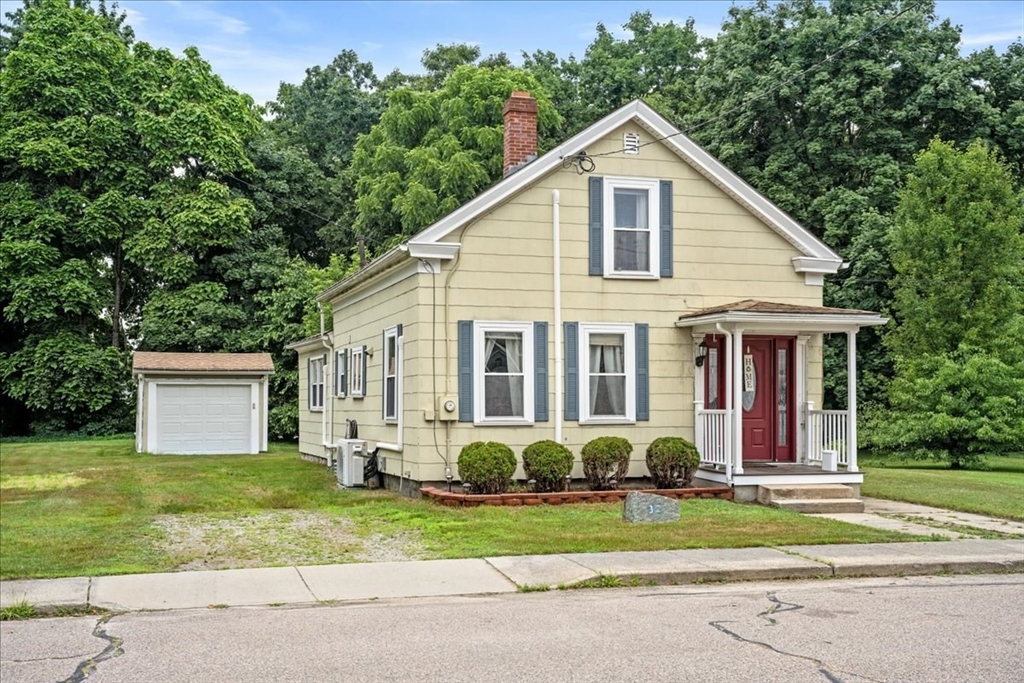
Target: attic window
x=631 y=143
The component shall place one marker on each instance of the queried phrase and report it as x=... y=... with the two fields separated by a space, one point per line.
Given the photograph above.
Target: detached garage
x=201 y=403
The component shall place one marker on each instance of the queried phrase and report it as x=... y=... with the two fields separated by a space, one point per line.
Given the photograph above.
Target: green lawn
x=95 y=507
x=997 y=491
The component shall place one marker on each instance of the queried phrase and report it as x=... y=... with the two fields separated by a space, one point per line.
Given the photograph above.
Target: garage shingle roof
x=202 y=362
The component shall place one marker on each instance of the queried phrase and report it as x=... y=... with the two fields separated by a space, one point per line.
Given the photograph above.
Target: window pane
x=607 y=353
x=631 y=209
x=389 y=397
x=712 y=379
x=503 y=396
x=783 y=383
x=392 y=354
x=503 y=352
x=632 y=250
x=607 y=395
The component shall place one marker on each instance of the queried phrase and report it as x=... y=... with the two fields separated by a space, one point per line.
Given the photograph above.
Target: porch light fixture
x=702 y=353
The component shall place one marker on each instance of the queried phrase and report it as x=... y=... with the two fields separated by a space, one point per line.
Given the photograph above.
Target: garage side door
x=203 y=418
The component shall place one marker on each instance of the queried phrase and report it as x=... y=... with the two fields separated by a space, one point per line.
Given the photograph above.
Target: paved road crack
x=113 y=649
x=778 y=607
x=45 y=659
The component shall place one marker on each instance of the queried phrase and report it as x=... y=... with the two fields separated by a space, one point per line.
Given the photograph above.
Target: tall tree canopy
x=434 y=150
x=110 y=186
x=958 y=341
x=827 y=125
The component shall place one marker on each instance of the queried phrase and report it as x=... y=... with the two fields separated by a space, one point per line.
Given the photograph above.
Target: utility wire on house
x=828 y=58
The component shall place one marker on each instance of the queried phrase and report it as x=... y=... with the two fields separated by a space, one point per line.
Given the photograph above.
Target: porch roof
x=751 y=313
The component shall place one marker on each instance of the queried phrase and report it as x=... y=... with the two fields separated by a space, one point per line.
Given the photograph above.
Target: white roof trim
x=690 y=151
x=808 y=321
x=437 y=250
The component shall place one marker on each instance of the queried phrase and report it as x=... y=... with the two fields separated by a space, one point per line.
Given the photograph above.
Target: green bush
x=671 y=458
x=605 y=458
x=548 y=463
x=487 y=465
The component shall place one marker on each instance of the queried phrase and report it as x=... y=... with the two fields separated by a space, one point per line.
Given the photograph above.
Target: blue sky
x=256 y=45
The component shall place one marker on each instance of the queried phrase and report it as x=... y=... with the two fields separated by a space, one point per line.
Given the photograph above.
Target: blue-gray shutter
x=540 y=365
x=343 y=373
x=597 y=226
x=572 y=372
x=643 y=374
x=384 y=375
x=465 y=366
x=666 y=228
x=362 y=389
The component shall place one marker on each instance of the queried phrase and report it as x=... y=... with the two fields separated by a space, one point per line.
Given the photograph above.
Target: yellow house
x=625 y=283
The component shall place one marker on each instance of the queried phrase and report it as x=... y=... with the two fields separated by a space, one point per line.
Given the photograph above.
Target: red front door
x=756 y=380
x=768 y=389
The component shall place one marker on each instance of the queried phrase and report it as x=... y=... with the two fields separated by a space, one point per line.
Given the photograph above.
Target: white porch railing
x=826 y=430
x=713 y=436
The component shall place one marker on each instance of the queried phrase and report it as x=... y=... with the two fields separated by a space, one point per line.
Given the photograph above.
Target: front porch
x=753 y=421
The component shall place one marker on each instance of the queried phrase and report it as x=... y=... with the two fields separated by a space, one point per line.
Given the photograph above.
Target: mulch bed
x=563 y=497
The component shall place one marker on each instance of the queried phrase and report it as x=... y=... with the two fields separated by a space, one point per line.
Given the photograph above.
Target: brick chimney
x=520 y=114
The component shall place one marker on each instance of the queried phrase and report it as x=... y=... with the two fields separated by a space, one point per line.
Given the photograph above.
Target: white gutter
x=138 y=412
x=556 y=238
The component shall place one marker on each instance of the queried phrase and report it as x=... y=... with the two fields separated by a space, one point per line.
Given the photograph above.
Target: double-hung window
x=357 y=367
x=503 y=355
x=341 y=373
x=631 y=244
x=392 y=364
x=316 y=383
x=607 y=373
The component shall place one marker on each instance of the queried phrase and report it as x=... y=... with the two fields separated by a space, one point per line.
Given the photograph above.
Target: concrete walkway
x=360 y=582
x=922 y=520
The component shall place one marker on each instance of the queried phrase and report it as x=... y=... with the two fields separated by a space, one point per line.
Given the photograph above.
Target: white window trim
x=653 y=223
x=313 y=406
x=480 y=327
x=628 y=332
x=356 y=356
x=341 y=379
x=389 y=334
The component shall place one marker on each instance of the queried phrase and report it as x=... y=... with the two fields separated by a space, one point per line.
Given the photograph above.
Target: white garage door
x=203 y=418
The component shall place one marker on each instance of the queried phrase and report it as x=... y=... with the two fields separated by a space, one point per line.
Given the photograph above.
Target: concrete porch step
x=769 y=493
x=820 y=506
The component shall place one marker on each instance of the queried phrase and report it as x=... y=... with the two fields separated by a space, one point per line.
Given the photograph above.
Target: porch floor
x=757 y=472
x=773 y=469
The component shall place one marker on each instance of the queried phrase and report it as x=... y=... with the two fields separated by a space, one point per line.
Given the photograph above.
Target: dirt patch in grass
x=275 y=538
x=42 y=482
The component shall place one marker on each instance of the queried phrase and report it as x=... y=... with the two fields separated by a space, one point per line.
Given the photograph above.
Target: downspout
x=139 y=418
x=556 y=238
x=327 y=421
x=728 y=400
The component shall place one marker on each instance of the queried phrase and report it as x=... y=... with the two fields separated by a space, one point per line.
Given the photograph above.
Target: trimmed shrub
x=487 y=465
x=605 y=458
x=548 y=463
x=671 y=458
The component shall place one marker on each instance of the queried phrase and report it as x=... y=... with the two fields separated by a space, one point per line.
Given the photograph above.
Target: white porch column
x=851 y=400
x=737 y=401
x=800 y=369
x=698 y=397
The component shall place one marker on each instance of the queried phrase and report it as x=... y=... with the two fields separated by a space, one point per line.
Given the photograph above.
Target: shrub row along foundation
x=565 y=497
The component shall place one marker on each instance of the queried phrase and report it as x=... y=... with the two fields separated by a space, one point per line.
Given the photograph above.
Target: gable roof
x=816 y=257
x=201 y=362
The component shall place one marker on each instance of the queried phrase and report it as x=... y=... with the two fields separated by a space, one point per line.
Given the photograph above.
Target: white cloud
x=370 y=46
x=135 y=17
x=204 y=15
x=990 y=38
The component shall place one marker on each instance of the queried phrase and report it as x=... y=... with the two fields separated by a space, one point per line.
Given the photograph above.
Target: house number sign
x=749 y=382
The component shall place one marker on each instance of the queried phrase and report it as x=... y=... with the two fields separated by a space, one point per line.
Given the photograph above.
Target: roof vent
x=631 y=143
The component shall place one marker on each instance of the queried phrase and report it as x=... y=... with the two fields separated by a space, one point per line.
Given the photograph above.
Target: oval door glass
x=749 y=382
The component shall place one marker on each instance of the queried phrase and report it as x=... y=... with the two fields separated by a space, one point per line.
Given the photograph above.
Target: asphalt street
x=933 y=629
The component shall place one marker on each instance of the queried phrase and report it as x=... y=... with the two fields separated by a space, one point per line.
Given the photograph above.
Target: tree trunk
x=115 y=314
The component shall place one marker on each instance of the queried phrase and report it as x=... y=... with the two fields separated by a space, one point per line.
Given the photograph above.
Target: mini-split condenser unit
x=349 y=463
